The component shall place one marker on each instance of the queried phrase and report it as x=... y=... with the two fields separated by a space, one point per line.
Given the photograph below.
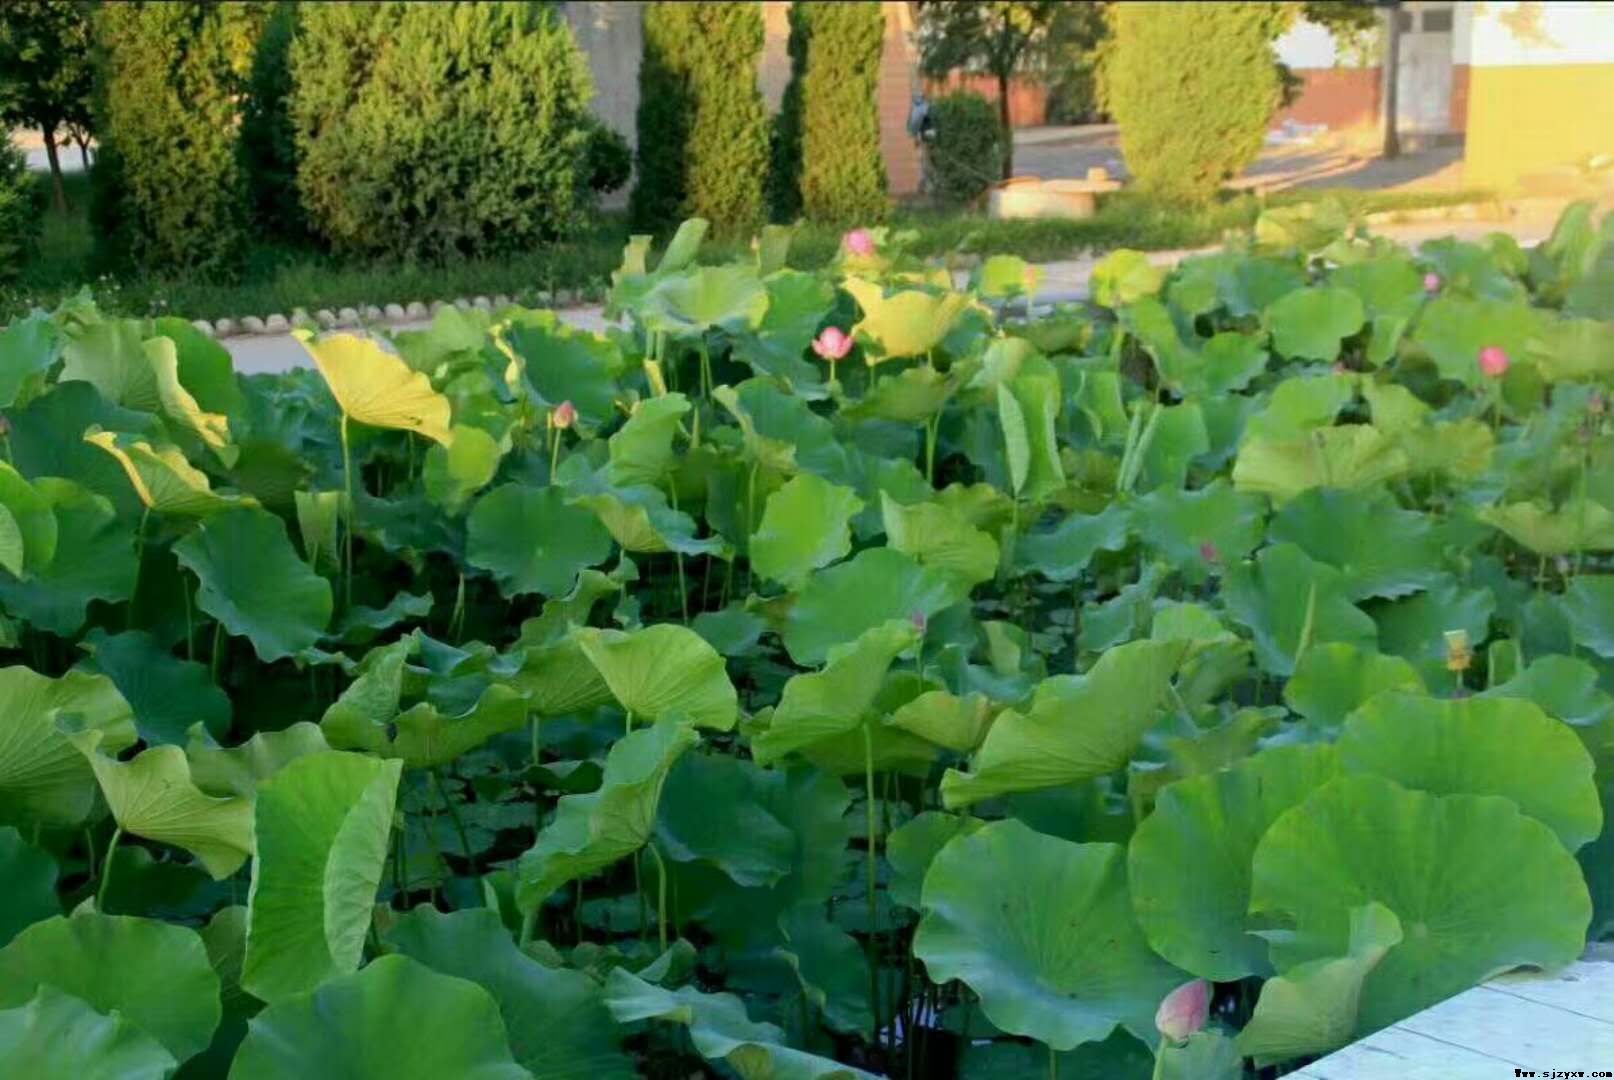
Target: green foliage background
x=268 y=137
x=429 y=130
x=962 y=160
x=842 y=172
x=19 y=212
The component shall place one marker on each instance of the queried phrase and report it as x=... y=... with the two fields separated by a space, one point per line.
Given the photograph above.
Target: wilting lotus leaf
x=688 y=304
x=1578 y=525
x=1448 y=867
x=322 y=825
x=558 y=1024
x=908 y=322
x=155 y=975
x=664 y=670
x=721 y=1031
x=1189 y=862
x=1290 y=603
x=152 y=795
x=455 y=472
x=1350 y=456
x=1311 y=323
x=531 y=540
x=396 y=1018
x=43 y=777
x=805 y=525
x=253 y=582
x=57 y=1036
x=642 y=449
x=1378 y=548
x=820 y=705
x=1077 y=726
x=1063 y=552
x=1474 y=746
x=162 y=477
x=94 y=559
x=1333 y=678
x=1311 y=1009
x=375 y=387
x=591 y=832
x=873 y=587
x=1042 y=929
x=238 y=770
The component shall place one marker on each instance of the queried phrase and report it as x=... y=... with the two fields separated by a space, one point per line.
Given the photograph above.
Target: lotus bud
x=563 y=416
x=859 y=243
x=1493 y=362
x=832 y=344
x=1431 y=282
x=918 y=621
x=1459 y=654
x=1209 y=552
x=1184 y=1010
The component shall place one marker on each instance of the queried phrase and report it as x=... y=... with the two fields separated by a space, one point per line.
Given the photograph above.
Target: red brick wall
x=1339 y=97
x=1028 y=101
x=895 y=94
x=1459 y=97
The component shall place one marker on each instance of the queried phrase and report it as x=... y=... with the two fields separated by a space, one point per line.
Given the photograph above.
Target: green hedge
x=268 y=138
x=1193 y=89
x=842 y=172
x=430 y=130
x=171 y=192
x=21 y=201
x=965 y=155
x=702 y=129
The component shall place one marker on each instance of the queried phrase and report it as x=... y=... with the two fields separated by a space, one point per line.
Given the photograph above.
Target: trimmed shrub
x=784 y=137
x=842 y=172
x=268 y=139
x=703 y=132
x=170 y=190
x=610 y=158
x=434 y=130
x=963 y=158
x=21 y=201
x=1193 y=90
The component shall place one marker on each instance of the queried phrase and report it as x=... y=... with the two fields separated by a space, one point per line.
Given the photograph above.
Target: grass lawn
x=276 y=278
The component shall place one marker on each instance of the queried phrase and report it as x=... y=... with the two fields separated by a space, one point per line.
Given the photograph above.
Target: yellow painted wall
x=1531 y=119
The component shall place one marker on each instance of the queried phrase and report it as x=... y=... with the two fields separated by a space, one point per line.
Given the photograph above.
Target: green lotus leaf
x=375 y=387
x=1205 y=1055
x=558 y=1024
x=1588 y=604
x=1378 y=548
x=908 y=322
x=838 y=699
x=1306 y=228
x=532 y=541
x=591 y=832
x=253 y=582
x=168 y=694
x=721 y=1031
x=1078 y=726
x=1063 y=552
x=557 y=363
x=1453 y=330
x=1563 y=687
x=28 y=348
x=640 y=519
x=1304 y=404
x=456 y=471
x=1448 y=867
x=910 y=396
x=322 y=825
x=1002 y=276
x=912 y=847
x=1311 y=1009
x=55 y=1036
x=1291 y=602
x=1123 y=276
x=1350 y=456
x=831 y=967
x=1415 y=627
x=940 y=539
x=688 y=304
x=110 y=356
x=30 y=876
x=361 y=624
x=1311 y=323
x=396 y=1018
x=238 y=770
x=1122 y=1055
x=805 y=525
x=951 y=722
x=154 y=975
x=713 y=810
x=43 y=777
x=1578 y=525
x=1177 y=436
x=1479 y=746
x=94 y=559
x=1189 y=862
x=664 y=670
x=642 y=449
x=454 y=334
x=840 y=602
x=34 y=519
x=1386 y=284
x=1042 y=930
x=1579 y=349
x=203 y=367
x=1180 y=525
x=47 y=440
x=1332 y=679
x=1028 y=409
x=557 y=679
x=178 y=404
x=318 y=514
x=152 y=795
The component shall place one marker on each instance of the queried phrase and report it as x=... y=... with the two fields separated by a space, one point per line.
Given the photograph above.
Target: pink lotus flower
x=564 y=415
x=832 y=344
x=1184 y=1010
x=860 y=243
x=1209 y=552
x=1493 y=361
x=1431 y=282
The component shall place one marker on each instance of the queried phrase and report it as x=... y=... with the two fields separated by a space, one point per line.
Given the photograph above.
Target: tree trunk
x=1392 y=79
x=58 y=195
x=1008 y=128
x=83 y=152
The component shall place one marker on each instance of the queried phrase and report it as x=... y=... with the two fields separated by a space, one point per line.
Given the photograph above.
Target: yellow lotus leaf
x=377 y=388
x=164 y=480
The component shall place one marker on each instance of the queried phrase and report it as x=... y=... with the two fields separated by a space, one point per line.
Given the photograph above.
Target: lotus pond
x=822 y=675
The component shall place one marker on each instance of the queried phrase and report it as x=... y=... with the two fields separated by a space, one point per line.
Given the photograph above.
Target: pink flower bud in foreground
x=918 y=621
x=1493 y=361
x=564 y=416
x=860 y=243
x=1184 y=1010
x=832 y=344
x=1431 y=282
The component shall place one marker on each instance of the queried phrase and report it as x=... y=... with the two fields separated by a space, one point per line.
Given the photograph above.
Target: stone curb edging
x=370 y=314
